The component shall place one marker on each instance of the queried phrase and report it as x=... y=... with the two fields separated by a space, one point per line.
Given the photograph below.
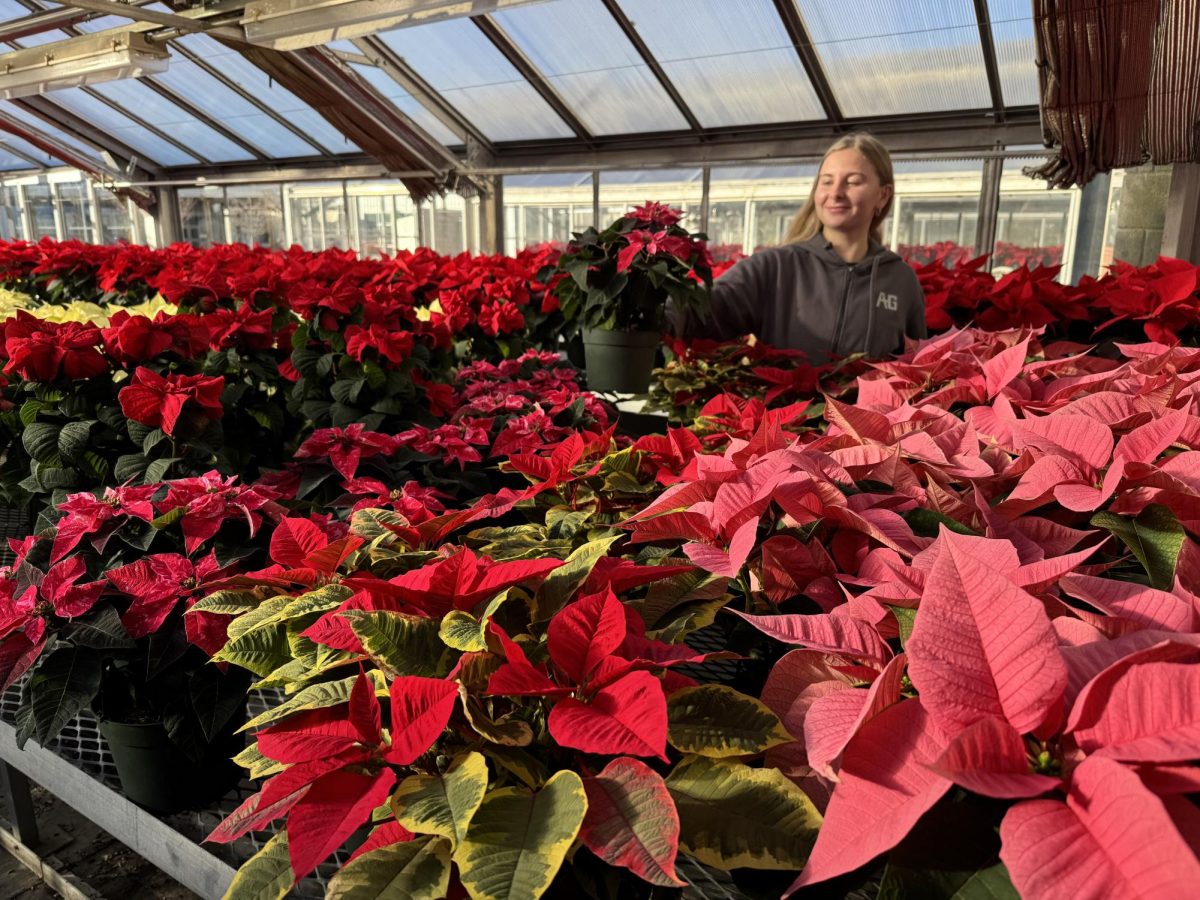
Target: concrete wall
x=1141 y=213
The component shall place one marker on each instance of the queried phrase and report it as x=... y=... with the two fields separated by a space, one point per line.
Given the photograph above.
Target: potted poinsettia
x=616 y=284
x=92 y=614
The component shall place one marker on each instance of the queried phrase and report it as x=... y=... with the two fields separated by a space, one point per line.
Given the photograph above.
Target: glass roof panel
x=408 y=104
x=471 y=74
x=549 y=179
x=16 y=112
x=42 y=37
x=256 y=82
x=900 y=56
x=583 y=53
x=169 y=118
x=231 y=109
x=23 y=146
x=1012 y=35
x=121 y=127
x=730 y=60
x=11 y=163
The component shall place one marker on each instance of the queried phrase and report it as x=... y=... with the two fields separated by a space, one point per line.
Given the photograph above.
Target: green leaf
x=992 y=883
x=266 y=611
x=462 y=631
x=567 y=578
x=170 y=517
x=429 y=804
x=41 y=440
x=261 y=651
x=157 y=470
x=399 y=644
x=732 y=816
x=30 y=409
x=517 y=840
x=101 y=630
x=317 y=696
x=1155 y=537
x=412 y=870
x=267 y=875
x=715 y=720
x=905 y=618
x=216 y=697
x=256 y=765
x=73 y=439
x=153 y=438
x=66 y=682
x=925 y=522
x=52 y=477
x=130 y=467
x=225 y=603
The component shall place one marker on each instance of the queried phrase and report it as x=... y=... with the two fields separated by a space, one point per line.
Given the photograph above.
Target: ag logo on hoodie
x=887 y=301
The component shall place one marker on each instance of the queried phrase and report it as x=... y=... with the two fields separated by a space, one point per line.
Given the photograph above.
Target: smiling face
x=848 y=193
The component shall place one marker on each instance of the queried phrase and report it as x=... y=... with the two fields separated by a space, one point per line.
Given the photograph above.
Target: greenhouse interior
x=503 y=449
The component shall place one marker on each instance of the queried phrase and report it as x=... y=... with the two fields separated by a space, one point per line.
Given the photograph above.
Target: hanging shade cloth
x=1120 y=85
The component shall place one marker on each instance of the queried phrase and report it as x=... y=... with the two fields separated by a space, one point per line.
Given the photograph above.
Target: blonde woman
x=832 y=288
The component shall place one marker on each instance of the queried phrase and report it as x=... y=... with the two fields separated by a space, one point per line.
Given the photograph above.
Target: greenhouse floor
x=95 y=863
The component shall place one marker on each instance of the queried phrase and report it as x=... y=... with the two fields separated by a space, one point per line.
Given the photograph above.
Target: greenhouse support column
x=705 y=186
x=989 y=206
x=1181 y=230
x=596 y=198
x=491 y=215
x=1089 y=233
x=170 y=230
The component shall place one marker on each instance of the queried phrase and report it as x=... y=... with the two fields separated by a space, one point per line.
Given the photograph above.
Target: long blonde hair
x=805 y=223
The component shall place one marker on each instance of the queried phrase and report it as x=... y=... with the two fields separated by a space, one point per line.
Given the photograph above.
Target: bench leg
x=20 y=801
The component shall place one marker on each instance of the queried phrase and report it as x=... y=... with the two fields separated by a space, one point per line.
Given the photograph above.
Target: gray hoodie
x=805 y=297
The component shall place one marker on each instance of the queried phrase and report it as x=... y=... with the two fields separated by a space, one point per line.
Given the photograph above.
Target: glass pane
x=232 y=110
x=256 y=82
x=173 y=120
x=115 y=224
x=42 y=37
x=465 y=67
x=382 y=217
x=1012 y=35
x=39 y=208
x=897 y=56
x=317 y=214
x=76 y=210
x=583 y=53
x=750 y=207
x=446 y=219
x=621 y=191
x=16 y=112
x=129 y=133
x=255 y=214
x=202 y=214
x=1034 y=226
x=936 y=209
x=730 y=60
x=12 y=216
x=543 y=208
x=409 y=105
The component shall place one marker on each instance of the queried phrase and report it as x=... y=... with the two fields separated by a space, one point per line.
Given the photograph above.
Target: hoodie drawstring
x=871 y=305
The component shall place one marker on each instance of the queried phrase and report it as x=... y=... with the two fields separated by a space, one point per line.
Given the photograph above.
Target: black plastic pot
x=157 y=775
x=620 y=360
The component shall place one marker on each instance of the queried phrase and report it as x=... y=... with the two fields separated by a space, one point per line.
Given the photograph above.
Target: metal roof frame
x=397 y=144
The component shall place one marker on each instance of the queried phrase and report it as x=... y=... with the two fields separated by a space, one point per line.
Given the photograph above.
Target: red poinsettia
x=654 y=213
x=44 y=351
x=157 y=401
x=209 y=500
x=338 y=765
x=346 y=447
x=394 y=346
x=98 y=517
x=160 y=581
